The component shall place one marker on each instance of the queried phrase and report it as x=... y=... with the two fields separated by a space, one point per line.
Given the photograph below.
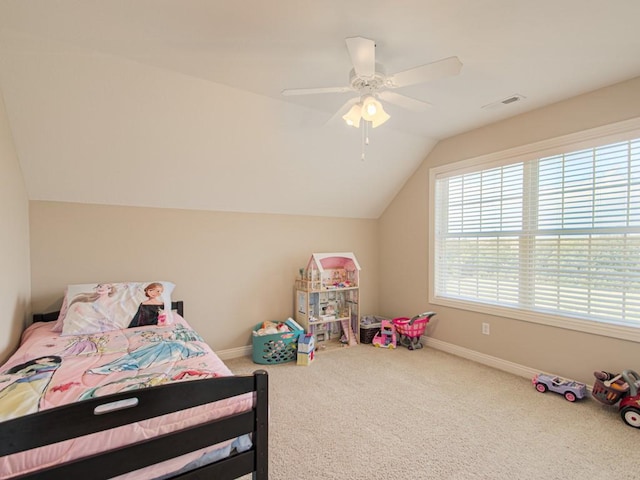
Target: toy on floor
x=411 y=329
x=386 y=337
x=570 y=389
x=611 y=388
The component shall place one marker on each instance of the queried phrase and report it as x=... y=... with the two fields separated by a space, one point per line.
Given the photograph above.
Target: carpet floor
x=368 y=413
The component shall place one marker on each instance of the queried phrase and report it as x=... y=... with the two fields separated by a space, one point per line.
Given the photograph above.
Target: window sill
x=602 y=328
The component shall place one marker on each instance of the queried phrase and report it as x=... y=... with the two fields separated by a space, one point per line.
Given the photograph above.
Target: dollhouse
x=327 y=297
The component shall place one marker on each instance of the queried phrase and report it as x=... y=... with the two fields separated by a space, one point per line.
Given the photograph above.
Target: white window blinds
x=556 y=235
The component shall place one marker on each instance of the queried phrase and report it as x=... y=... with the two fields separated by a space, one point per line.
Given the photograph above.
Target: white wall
x=14 y=243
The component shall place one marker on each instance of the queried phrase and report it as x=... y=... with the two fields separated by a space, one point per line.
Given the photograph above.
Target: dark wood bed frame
x=78 y=419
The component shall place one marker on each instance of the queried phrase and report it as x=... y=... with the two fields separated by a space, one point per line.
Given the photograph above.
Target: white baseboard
x=230 y=353
x=495 y=362
x=488 y=360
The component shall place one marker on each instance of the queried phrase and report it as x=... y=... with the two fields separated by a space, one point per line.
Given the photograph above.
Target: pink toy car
x=570 y=389
x=386 y=337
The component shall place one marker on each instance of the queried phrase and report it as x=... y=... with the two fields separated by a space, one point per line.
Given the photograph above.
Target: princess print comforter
x=50 y=370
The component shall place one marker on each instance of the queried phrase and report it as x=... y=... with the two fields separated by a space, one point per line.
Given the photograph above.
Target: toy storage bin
x=367 y=332
x=276 y=347
x=369 y=327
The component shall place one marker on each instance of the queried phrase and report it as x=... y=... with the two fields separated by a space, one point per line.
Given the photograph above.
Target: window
x=547 y=233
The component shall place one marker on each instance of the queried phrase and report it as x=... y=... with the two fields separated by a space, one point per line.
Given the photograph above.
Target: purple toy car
x=571 y=389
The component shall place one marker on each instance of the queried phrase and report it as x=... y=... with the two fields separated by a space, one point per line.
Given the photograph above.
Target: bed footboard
x=82 y=418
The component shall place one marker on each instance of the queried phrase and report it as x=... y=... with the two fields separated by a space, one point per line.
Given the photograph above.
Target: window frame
x=595 y=137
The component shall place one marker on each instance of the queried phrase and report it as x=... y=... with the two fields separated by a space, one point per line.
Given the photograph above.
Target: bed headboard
x=53 y=316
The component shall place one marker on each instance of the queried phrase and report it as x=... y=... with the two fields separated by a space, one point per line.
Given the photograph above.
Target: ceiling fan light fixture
x=352 y=117
x=373 y=112
x=370 y=108
x=380 y=118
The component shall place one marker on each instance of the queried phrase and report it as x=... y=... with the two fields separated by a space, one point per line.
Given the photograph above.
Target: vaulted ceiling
x=177 y=103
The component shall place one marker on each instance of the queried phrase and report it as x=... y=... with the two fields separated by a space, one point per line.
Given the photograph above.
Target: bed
x=133 y=412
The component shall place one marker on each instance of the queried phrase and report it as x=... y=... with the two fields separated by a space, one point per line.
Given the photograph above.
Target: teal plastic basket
x=277 y=347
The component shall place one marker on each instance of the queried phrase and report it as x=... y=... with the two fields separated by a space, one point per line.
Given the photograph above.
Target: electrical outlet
x=485 y=329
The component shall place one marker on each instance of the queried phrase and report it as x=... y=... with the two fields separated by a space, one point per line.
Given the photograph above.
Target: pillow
x=100 y=307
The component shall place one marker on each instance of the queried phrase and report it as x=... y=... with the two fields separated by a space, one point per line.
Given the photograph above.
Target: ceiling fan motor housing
x=370 y=84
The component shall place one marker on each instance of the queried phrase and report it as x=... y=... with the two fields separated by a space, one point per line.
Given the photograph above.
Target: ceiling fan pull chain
x=362 y=143
x=365 y=138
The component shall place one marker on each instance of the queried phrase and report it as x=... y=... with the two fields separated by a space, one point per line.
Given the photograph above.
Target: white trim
x=598 y=327
x=616 y=132
x=495 y=362
x=484 y=359
x=237 y=352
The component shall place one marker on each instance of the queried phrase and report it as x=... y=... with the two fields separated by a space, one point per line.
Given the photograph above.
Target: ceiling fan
x=371 y=82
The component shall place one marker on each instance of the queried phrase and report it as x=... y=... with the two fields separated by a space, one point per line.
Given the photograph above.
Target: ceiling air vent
x=509 y=100
x=506 y=101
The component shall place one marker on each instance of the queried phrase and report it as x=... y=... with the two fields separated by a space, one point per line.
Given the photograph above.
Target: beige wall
x=14 y=243
x=404 y=246
x=233 y=270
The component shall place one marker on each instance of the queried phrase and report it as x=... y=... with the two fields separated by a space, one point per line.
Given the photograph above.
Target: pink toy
x=569 y=389
x=386 y=337
x=411 y=329
x=163 y=318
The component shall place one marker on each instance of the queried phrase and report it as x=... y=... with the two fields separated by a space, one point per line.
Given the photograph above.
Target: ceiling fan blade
x=404 y=101
x=363 y=55
x=312 y=91
x=442 y=68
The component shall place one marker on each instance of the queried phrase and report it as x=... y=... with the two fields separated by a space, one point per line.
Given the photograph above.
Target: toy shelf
x=330 y=320
x=315 y=286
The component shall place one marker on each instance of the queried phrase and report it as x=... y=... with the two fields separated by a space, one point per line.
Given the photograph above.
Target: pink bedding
x=49 y=370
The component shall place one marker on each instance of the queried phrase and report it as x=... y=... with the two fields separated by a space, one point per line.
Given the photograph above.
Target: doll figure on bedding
x=92 y=311
x=99 y=299
x=151 y=311
x=29 y=382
